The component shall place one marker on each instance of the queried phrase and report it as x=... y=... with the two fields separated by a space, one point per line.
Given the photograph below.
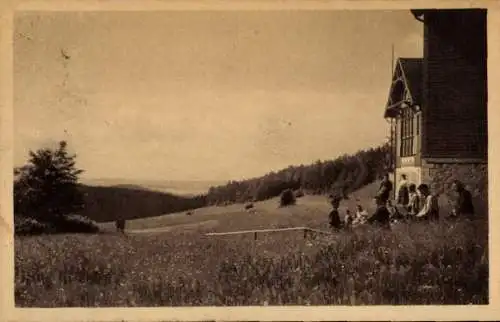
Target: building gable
x=406 y=86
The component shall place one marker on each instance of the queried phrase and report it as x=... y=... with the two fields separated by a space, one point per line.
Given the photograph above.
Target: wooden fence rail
x=256 y=231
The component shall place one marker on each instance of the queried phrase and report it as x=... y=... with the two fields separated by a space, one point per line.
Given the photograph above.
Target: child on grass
x=348 y=219
x=361 y=216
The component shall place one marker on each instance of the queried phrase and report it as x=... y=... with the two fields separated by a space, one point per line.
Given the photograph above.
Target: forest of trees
x=104 y=204
x=47 y=190
x=341 y=175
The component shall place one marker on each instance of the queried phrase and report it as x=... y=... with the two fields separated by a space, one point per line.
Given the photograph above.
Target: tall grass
x=445 y=263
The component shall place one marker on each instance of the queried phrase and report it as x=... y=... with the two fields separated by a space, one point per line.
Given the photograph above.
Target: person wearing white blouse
x=430 y=209
x=413 y=207
x=361 y=216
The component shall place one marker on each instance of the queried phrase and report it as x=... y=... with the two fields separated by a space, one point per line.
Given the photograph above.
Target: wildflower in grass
x=237 y=271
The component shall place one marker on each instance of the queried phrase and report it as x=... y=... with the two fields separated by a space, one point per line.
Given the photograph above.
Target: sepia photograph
x=250 y=158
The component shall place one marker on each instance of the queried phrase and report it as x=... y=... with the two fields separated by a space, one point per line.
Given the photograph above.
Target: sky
x=205 y=95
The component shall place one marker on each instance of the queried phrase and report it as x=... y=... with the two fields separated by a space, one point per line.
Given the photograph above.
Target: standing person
x=120 y=225
x=430 y=209
x=403 y=193
x=385 y=189
x=462 y=203
x=382 y=216
x=414 y=201
x=334 y=217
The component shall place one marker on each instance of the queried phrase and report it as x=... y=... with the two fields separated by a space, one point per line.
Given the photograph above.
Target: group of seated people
x=413 y=203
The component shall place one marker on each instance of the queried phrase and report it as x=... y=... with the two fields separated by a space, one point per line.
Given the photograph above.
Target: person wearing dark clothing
x=395 y=215
x=335 y=221
x=403 y=193
x=381 y=216
x=120 y=225
x=462 y=205
x=414 y=202
x=385 y=189
x=334 y=216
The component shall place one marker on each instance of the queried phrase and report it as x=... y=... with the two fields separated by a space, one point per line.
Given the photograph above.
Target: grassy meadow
x=169 y=261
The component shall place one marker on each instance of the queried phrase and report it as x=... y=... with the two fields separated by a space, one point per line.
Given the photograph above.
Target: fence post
x=255 y=235
x=305 y=233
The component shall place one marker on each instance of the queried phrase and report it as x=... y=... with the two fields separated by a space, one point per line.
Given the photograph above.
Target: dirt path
x=191 y=226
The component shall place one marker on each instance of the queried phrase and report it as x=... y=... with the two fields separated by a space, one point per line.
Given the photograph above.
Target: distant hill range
x=176 y=187
x=130 y=201
x=107 y=199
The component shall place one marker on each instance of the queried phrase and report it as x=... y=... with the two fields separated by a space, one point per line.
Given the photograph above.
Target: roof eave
x=390 y=113
x=418 y=14
x=393 y=111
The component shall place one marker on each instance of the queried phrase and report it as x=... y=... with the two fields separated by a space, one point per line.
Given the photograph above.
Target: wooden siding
x=454 y=122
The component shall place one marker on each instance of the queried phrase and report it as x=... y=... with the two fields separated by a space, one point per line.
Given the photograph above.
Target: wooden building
x=438 y=104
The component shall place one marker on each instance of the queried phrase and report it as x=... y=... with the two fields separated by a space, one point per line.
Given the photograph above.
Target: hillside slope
x=347 y=174
x=107 y=203
x=310 y=210
x=342 y=175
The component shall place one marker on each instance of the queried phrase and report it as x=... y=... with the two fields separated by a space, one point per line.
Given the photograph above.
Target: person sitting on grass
x=414 y=202
x=430 y=209
x=361 y=216
x=381 y=217
x=348 y=219
x=395 y=214
x=334 y=217
x=462 y=203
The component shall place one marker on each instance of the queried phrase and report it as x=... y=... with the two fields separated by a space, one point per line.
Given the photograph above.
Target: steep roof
x=410 y=71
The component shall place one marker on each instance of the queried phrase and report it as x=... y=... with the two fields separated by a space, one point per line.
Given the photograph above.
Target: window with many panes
x=407 y=133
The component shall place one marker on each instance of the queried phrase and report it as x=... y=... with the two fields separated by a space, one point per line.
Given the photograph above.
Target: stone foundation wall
x=439 y=176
